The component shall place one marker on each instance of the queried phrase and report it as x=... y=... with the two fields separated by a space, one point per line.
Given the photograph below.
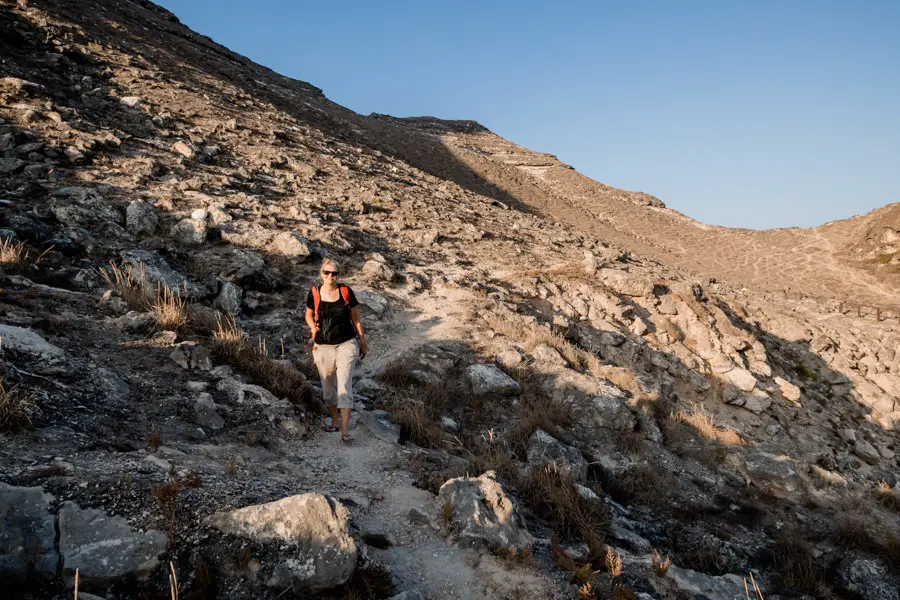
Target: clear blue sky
x=751 y=113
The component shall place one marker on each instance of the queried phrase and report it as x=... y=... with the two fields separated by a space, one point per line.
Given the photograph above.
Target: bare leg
x=334 y=415
x=345 y=423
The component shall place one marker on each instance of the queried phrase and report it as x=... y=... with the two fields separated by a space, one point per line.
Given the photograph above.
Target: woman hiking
x=338 y=342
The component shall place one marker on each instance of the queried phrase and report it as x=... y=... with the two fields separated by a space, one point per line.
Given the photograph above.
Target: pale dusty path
x=367 y=475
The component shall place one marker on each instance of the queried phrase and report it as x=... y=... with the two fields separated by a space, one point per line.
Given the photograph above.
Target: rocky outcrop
x=308 y=532
x=544 y=449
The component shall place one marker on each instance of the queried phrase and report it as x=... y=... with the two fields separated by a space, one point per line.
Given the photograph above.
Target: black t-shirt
x=335 y=326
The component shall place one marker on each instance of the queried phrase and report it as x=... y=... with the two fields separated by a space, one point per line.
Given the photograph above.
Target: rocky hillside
x=564 y=398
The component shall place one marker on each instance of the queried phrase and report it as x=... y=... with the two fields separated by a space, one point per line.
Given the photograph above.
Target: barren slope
x=809 y=261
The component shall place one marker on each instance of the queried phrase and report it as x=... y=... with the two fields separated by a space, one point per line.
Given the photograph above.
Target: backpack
x=317 y=297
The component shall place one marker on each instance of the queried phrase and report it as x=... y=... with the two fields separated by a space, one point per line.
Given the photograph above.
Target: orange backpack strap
x=345 y=294
x=316 y=299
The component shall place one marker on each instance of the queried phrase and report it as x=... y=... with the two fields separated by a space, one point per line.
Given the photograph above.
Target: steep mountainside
x=567 y=384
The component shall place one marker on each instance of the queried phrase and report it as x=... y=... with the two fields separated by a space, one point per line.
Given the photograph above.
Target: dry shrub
x=704 y=424
x=622 y=592
x=396 y=374
x=645 y=484
x=795 y=569
x=892 y=551
x=561 y=556
x=888 y=497
x=16 y=408
x=660 y=565
x=852 y=534
x=154 y=438
x=495 y=457
x=230 y=344
x=166 y=493
x=555 y=495
x=416 y=416
x=513 y=555
x=169 y=310
x=632 y=442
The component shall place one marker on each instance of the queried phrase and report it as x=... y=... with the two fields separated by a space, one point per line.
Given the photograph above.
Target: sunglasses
x=331 y=273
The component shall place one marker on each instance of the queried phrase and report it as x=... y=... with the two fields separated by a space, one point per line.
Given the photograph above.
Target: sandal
x=332 y=428
x=346 y=439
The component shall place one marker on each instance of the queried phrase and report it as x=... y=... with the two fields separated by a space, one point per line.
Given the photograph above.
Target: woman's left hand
x=362 y=350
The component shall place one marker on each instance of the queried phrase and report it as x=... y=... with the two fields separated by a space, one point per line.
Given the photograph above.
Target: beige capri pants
x=335 y=363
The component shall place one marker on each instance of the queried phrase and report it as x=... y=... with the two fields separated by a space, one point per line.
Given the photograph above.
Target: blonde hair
x=333 y=263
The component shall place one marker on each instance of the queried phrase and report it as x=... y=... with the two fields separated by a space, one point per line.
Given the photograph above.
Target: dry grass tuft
x=888 y=497
x=556 y=495
x=420 y=413
x=232 y=345
x=704 y=424
x=166 y=493
x=169 y=310
x=660 y=565
x=128 y=286
x=16 y=409
x=561 y=556
x=14 y=256
x=495 y=457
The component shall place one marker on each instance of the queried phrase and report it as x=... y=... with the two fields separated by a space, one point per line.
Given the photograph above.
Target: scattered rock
x=549 y=356
x=104 y=548
x=230 y=298
x=867 y=452
x=184 y=149
x=611 y=412
x=509 y=359
x=789 y=391
x=205 y=414
x=741 y=378
x=27 y=530
x=771 y=472
x=291 y=245
x=378 y=270
x=379 y=424
x=191 y=356
x=868 y=577
x=141 y=218
x=544 y=449
x=310 y=534
x=488 y=379
x=151 y=269
x=189 y=232
x=483 y=516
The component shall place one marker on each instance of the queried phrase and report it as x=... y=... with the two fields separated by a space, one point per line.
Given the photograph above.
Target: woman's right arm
x=311 y=323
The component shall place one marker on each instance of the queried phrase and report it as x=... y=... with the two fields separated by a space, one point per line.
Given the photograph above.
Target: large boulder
x=544 y=449
x=482 y=515
x=105 y=549
x=868 y=577
x=27 y=533
x=490 y=380
x=308 y=533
